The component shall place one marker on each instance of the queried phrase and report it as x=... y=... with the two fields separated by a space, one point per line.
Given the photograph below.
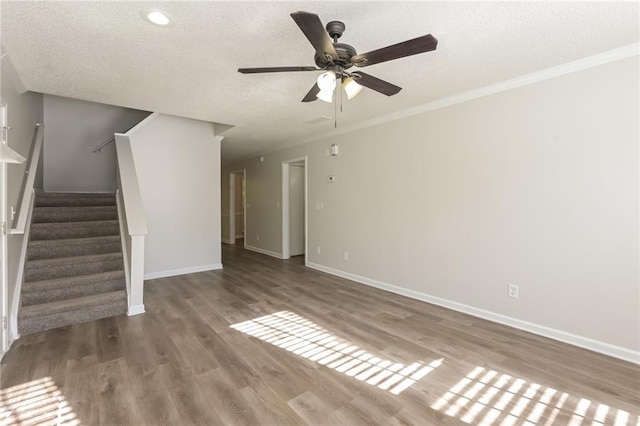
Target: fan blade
x=311 y=26
x=375 y=83
x=415 y=46
x=276 y=69
x=311 y=94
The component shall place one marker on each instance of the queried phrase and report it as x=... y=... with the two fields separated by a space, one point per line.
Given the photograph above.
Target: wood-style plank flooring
x=270 y=342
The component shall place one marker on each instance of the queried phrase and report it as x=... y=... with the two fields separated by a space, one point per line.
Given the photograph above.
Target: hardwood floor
x=271 y=342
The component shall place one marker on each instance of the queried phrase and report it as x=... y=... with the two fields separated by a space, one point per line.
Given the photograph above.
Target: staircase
x=74 y=270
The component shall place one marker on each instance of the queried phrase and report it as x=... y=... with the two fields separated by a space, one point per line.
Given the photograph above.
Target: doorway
x=3 y=236
x=294 y=208
x=237 y=205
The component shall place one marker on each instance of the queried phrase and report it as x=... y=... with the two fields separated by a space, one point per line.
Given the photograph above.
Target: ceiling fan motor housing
x=345 y=52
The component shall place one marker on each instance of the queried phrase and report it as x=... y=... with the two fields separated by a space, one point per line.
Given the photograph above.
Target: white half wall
x=73 y=129
x=178 y=165
x=24 y=110
x=535 y=186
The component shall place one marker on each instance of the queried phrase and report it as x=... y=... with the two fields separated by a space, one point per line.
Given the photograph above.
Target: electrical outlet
x=278 y=204
x=512 y=290
x=346 y=255
x=319 y=205
x=318 y=249
x=258 y=237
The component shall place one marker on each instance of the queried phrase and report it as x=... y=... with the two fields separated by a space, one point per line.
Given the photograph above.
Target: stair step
x=66 y=230
x=74 y=199
x=60 y=267
x=50 y=249
x=74 y=214
x=38 y=292
x=50 y=315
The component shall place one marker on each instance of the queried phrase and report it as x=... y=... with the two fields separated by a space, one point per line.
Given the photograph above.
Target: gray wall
x=535 y=186
x=73 y=128
x=23 y=112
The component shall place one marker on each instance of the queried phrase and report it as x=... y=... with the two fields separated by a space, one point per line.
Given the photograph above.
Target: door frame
x=232 y=205
x=286 y=252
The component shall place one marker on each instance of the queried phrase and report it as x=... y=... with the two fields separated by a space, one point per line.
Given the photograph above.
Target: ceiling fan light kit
x=325 y=95
x=327 y=81
x=351 y=87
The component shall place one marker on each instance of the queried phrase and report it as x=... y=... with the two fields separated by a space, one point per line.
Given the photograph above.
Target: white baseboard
x=135 y=310
x=226 y=241
x=562 y=336
x=263 y=251
x=182 y=271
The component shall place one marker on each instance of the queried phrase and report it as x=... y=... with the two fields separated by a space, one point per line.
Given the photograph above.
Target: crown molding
x=614 y=55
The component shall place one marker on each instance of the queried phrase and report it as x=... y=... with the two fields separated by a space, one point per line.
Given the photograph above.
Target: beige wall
x=535 y=186
x=177 y=162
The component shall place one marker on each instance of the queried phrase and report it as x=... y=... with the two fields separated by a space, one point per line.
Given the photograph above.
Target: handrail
x=113 y=139
x=20 y=223
x=103 y=144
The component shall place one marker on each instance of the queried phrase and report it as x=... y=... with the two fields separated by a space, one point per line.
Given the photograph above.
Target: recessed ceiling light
x=156 y=17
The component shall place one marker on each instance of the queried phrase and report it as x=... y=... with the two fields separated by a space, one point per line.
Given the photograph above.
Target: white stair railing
x=134 y=224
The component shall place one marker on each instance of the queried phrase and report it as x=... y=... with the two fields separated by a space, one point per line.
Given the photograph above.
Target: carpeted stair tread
x=39 y=292
x=46 y=316
x=45 y=269
x=71 y=304
x=74 y=214
x=49 y=249
x=66 y=230
x=73 y=199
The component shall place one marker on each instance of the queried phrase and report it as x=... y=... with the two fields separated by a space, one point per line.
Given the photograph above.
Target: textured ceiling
x=105 y=52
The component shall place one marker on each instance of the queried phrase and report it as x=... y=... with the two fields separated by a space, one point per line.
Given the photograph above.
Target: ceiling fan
x=336 y=58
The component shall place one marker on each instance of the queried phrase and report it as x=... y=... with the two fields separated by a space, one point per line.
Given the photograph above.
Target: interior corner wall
x=73 y=129
x=535 y=186
x=177 y=161
x=23 y=112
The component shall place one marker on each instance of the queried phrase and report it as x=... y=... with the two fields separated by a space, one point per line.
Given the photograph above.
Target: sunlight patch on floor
x=38 y=402
x=486 y=397
x=304 y=338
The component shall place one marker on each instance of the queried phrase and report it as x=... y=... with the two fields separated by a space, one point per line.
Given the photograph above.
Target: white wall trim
x=135 y=310
x=226 y=241
x=620 y=53
x=182 y=271
x=264 y=251
x=562 y=336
